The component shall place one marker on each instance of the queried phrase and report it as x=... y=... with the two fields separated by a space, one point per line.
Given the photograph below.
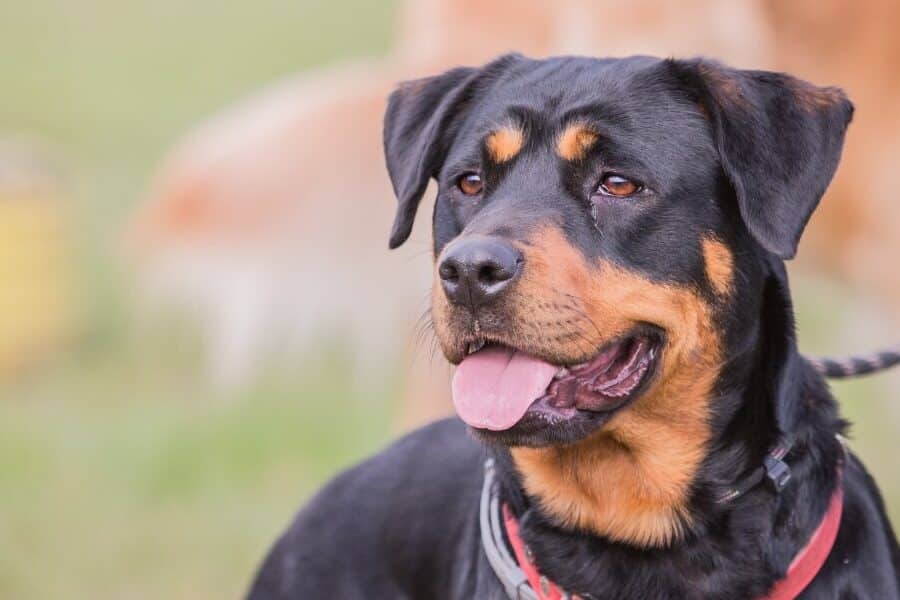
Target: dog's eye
x=616 y=185
x=470 y=184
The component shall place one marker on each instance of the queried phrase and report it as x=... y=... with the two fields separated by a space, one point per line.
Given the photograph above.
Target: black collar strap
x=774 y=470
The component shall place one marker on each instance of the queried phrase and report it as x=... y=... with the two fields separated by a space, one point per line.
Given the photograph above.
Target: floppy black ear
x=422 y=118
x=779 y=141
x=416 y=136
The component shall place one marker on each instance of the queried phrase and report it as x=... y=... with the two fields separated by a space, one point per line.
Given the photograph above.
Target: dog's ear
x=422 y=118
x=779 y=141
x=416 y=135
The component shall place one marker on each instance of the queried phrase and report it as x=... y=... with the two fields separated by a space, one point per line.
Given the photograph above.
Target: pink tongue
x=493 y=388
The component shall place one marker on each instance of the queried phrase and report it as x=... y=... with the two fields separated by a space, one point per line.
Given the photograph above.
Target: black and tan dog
x=609 y=238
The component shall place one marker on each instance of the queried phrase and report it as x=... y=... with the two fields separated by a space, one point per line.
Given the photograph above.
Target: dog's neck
x=749 y=537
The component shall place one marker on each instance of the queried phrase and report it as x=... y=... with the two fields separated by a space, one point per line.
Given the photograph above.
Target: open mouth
x=495 y=387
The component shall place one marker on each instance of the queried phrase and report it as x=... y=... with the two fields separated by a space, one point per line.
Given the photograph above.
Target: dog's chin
x=581 y=399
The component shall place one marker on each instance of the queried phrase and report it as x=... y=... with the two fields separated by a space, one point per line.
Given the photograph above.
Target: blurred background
x=200 y=321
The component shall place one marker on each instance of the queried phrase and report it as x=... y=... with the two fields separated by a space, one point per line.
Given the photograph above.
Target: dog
x=636 y=420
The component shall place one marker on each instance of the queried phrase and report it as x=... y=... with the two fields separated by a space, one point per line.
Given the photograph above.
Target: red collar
x=800 y=573
x=543 y=588
x=806 y=565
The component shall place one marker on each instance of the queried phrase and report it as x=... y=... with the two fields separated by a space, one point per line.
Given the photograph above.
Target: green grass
x=160 y=494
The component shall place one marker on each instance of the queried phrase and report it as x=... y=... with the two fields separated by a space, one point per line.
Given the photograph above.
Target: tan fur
x=575 y=141
x=629 y=482
x=504 y=144
x=719 y=262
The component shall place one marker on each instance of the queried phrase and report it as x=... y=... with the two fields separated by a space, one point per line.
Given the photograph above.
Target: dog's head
x=603 y=234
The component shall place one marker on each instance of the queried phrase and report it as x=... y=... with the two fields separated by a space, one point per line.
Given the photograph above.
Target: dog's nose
x=476 y=270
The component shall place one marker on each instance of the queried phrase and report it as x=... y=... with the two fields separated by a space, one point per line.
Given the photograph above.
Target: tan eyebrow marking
x=505 y=143
x=575 y=141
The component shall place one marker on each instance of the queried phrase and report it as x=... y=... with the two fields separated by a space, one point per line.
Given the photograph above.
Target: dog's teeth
x=474 y=347
x=564 y=372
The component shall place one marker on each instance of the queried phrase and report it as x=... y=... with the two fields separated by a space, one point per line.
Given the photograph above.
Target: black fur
x=743 y=154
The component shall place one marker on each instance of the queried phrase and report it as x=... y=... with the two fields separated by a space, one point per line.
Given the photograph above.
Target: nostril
x=448 y=271
x=489 y=273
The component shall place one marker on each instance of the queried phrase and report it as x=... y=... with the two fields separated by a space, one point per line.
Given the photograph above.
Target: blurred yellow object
x=35 y=296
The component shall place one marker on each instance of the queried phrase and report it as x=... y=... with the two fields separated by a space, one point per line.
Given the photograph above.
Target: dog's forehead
x=558 y=87
x=634 y=100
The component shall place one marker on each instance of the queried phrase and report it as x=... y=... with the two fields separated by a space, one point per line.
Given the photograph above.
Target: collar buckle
x=777 y=471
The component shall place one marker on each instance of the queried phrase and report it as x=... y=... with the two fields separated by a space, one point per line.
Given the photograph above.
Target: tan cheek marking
x=575 y=141
x=719 y=262
x=631 y=481
x=504 y=144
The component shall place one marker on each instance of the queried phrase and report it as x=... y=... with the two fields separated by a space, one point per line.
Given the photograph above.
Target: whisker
x=583 y=315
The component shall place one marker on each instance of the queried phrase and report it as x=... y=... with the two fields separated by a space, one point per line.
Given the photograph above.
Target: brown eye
x=470 y=184
x=616 y=185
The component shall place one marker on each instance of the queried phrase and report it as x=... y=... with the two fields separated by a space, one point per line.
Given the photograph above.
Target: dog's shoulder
x=865 y=549
x=410 y=502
